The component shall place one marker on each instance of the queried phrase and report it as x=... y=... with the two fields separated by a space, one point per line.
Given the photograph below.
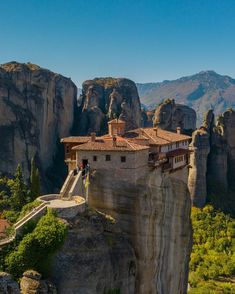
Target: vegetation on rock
x=36 y=248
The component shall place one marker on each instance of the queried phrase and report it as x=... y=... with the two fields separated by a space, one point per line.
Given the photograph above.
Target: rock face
x=197 y=182
x=103 y=99
x=96 y=258
x=155 y=216
x=8 y=285
x=213 y=161
x=169 y=116
x=36 y=109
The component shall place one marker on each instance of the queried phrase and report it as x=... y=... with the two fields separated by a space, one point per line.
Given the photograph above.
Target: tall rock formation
x=103 y=99
x=36 y=109
x=169 y=116
x=96 y=258
x=154 y=215
x=197 y=182
x=212 y=164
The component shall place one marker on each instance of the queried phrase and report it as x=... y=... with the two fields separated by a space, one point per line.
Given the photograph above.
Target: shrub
x=36 y=248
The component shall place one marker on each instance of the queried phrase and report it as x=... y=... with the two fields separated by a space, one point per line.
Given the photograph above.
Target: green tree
x=18 y=190
x=36 y=248
x=34 y=180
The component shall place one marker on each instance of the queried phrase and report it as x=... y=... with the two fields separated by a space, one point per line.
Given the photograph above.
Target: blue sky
x=144 y=40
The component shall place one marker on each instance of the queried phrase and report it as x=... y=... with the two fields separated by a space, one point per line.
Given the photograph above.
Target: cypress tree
x=34 y=180
x=18 y=190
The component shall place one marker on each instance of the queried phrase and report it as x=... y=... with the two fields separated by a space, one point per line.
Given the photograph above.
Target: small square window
x=67 y=149
x=108 y=157
x=94 y=158
x=123 y=158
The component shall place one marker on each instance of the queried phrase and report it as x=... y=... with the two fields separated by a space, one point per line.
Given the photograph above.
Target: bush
x=36 y=248
x=10 y=215
x=28 y=207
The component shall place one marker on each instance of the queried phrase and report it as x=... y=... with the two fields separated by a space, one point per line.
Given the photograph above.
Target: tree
x=18 y=190
x=34 y=180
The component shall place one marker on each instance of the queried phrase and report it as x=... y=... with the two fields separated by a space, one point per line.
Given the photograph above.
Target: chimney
x=114 y=141
x=156 y=130
x=178 y=130
x=93 y=136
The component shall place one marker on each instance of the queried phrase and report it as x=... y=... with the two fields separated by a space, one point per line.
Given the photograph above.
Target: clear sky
x=144 y=40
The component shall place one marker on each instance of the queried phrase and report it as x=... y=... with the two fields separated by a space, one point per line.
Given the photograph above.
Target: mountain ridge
x=201 y=91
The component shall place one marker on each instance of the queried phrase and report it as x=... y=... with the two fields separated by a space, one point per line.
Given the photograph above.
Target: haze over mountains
x=202 y=91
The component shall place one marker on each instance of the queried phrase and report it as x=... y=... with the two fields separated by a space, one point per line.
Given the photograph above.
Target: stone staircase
x=32 y=215
x=73 y=185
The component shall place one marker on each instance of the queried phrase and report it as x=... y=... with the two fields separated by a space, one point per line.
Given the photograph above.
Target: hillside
x=201 y=91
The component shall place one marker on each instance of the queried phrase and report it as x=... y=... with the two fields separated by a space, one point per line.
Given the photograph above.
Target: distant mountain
x=202 y=91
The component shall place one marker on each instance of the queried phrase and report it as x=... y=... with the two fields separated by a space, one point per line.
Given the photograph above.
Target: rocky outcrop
x=36 y=109
x=103 y=99
x=31 y=282
x=147 y=118
x=169 y=116
x=8 y=285
x=212 y=164
x=154 y=215
x=96 y=258
x=197 y=183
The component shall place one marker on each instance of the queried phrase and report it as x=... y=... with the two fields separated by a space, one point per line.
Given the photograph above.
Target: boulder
x=8 y=285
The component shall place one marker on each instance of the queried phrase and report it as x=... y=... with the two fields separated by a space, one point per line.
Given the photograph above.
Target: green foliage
x=34 y=180
x=18 y=191
x=213 y=253
x=213 y=287
x=10 y=215
x=28 y=207
x=36 y=248
x=112 y=291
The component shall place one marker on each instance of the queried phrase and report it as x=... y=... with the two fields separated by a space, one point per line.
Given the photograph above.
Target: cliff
x=36 y=109
x=96 y=258
x=213 y=161
x=154 y=215
x=169 y=116
x=103 y=99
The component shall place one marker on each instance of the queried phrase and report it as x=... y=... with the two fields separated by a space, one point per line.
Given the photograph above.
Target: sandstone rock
x=200 y=147
x=147 y=118
x=36 y=109
x=169 y=116
x=213 y=161
x=95 y=258
x=154 y=215
x=31 y=283
x=8 y=285
x=103 y=99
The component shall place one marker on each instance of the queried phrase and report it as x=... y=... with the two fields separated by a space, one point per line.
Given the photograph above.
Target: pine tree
x=18 y=190
x=34 y=180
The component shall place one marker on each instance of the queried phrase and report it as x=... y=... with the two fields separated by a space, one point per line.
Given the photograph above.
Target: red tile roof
x=78 y=139
x=106 y=143
x=161 y=138
x=3 y=225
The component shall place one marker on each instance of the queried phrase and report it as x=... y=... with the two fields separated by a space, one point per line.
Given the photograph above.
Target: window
x=177 y=144
x=123 y=158
x=107 y=157
x=67 y=148
x=94 y=158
